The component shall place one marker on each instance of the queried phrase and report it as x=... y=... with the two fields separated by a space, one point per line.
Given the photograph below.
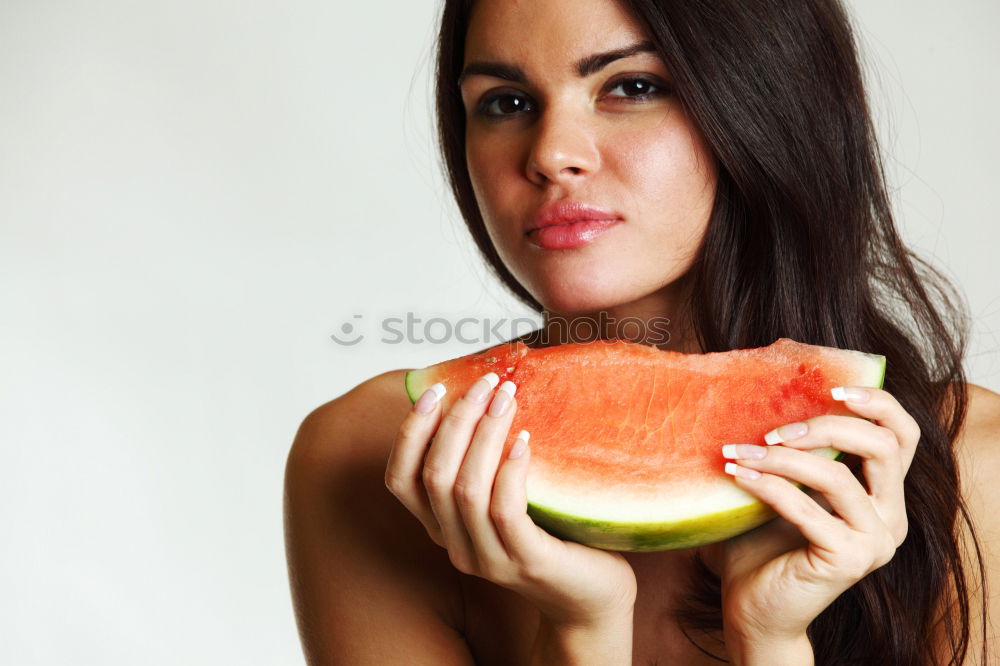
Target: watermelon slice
x=626 y=439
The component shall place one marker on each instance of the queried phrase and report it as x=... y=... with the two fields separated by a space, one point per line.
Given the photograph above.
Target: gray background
x=195 y=195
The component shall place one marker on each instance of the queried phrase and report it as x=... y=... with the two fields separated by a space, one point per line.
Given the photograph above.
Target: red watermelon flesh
x=626 y=439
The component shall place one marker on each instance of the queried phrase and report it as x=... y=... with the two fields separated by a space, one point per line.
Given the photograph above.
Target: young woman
x=712 y=162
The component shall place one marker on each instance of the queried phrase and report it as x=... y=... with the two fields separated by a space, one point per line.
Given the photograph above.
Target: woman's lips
x=571 y=234
x=560 y=225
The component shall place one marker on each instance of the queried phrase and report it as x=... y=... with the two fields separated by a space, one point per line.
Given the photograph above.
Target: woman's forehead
x=555 y=29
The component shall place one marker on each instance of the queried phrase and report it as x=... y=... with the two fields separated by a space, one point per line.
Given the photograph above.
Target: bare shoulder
x=361 y=422
x=977 y=449
x=366 y=579
x=978 y=455
x=982 y=422
x=984 y=410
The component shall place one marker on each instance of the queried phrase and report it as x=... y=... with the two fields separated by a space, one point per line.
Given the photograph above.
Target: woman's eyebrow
x=584 y=67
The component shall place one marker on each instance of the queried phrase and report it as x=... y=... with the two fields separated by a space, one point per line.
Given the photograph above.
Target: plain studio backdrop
x=195 y=196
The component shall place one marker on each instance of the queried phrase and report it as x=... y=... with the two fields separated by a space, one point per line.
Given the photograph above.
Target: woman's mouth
x=562 y=225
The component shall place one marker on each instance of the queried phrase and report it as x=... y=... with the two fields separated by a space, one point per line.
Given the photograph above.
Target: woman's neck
x=661 y=319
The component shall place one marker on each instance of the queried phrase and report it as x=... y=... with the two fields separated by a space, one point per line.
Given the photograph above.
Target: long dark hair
x=801 y=243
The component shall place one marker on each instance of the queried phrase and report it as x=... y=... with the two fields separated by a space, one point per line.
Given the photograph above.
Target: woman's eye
x=505 y=104
x=637 y=88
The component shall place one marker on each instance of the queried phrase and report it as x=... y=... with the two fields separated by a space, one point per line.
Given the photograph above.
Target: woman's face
x=565 y=105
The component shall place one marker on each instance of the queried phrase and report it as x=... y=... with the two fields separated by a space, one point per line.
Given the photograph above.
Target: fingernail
x=858 y=395
x=786 y=432
x=520 y=444
x=430 y=398
x=744 y=451
x=482 y=387
x=745 y=472
x=502 y=399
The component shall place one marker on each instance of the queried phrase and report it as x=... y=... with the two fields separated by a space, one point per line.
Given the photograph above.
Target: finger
x=444 y=458
x=474 y=484
x=404 y=467
x=789 y=502
x=876 y=445
x=883 y=408
x=509 y=506
x=833 y=479
x=880 y=452
x=840 y=552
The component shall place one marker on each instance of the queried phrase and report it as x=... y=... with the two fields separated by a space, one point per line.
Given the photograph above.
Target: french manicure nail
x=502 y=398
x=858 y=395
x=520 y=444
x=744 y=451
x=786 y=432
x=482 y=387
x=430 y=398
x=745 y=472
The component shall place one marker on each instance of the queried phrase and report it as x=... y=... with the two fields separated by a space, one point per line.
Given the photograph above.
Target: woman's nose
x=563 y=149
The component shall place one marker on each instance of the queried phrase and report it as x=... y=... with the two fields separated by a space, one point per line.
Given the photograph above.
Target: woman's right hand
x=475 y=505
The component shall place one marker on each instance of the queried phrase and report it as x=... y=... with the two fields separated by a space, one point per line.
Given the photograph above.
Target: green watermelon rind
x=649 y=537
x=415 y=385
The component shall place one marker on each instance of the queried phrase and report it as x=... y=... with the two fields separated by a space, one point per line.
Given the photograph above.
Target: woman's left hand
x=777 y=578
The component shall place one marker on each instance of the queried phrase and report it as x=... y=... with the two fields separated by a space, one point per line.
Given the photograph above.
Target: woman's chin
x=586 y=295
x=582 y=299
